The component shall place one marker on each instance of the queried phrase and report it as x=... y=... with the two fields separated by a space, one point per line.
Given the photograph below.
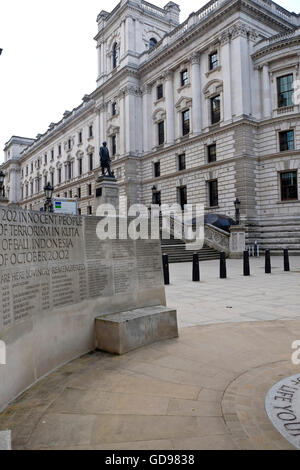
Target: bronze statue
x=105 y=160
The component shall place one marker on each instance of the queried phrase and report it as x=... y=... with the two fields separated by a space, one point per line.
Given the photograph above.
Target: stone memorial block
x=56 y=278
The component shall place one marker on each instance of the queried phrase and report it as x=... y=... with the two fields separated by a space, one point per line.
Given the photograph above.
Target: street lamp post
x=48 y=189
x=237 y=205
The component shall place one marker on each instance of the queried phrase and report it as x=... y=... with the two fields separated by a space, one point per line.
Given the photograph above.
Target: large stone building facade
x=205 y=111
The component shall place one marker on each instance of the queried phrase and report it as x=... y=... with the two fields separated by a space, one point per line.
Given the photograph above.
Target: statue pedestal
x=106 y=192
x=237 y=242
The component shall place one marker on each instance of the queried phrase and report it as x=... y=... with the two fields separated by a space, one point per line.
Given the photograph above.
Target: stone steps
x=276 y=234
x=178 y=254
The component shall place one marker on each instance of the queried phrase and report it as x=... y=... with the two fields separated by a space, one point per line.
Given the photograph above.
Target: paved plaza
x=205 y=390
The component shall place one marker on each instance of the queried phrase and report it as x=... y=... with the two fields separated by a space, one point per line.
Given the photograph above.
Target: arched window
x=152 y=43
x=115 y=55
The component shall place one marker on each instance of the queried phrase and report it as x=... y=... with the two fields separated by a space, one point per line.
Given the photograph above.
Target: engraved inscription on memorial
x=98 y=255
x=35 y=271
x=148 y=253
x=283 y=408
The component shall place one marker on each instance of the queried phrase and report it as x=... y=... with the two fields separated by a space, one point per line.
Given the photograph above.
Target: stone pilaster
x=146 y=118
x=170 y=107
x=196 y=89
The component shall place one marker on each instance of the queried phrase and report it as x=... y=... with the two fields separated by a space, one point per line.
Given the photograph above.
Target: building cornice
x=253 y=9
x=276 y=46
x=63 y=125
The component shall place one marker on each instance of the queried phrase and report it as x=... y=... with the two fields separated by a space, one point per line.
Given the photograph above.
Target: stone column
x=130 y=120
x=241 y=75
x=98 y=134
x=226 y=68
x=196 y=90
x=122 y=120
x=266 y=91
x=146 y=118
x=170 y=111
x=99 y=50
x=130 y=35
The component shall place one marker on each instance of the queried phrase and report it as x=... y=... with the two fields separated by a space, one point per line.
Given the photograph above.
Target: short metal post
x=223 y=270
x=166 y=270
x=246 y=264
x=196 y=268
x=286 y=260
x=268 y=269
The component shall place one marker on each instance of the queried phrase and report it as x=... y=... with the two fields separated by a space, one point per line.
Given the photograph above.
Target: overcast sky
x=49 y=60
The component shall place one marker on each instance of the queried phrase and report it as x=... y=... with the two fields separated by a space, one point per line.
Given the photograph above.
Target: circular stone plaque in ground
x=283 y=408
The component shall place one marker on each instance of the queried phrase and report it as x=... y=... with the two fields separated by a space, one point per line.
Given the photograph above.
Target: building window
x=181 y=162
x=184 y=77
x=156 y=200
x=289 y=186
x=186 y=122
x=152 y=43
x=45 y=180
x=59 y=150
x=79 y=193
x=286 y=141
x=161 y=133
x=59 y=175
x=182 y=196
x=31 y=167
x=114 y=145
x=215 y=104
x=160 y=92
x=80 y=137
x=52 y=154
x=27 y=171
x=91 y=162
x=115 y=56
x=213 y=195
x=285 y=91
x=89 y=210
x=52 y=179
x=114 y=108
x=65 y=195
x=70 y=194
x=79 y=211
x=80 y=166
x=69 y=144
x=213 y=60
x=157 y=169
x=89 y=188
x=45 y=159
x=212 y=153
x=69 y=168
x=90 y=131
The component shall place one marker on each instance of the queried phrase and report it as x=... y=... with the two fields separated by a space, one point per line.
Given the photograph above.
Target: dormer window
x=115 y=56
x=152 y=43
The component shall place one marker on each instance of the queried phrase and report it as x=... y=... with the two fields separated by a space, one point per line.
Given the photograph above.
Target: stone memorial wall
x=56 y=277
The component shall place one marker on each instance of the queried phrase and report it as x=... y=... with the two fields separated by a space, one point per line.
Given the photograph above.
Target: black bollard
x=268 y=269
x=223 y=270
x=166 y=270
x=286 y=261
x=196 y=268
x=246 y=264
